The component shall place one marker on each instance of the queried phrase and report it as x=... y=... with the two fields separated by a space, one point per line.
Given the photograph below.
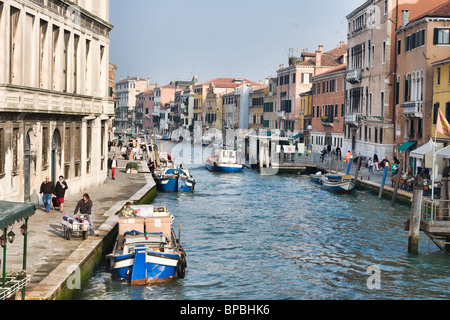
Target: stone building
x=54 y=106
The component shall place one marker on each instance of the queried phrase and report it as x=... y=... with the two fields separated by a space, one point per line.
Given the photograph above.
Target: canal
x=253 y=237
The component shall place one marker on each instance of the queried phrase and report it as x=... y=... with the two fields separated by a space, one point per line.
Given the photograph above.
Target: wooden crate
x=136 y=223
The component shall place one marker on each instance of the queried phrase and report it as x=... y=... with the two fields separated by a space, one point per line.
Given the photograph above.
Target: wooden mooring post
x=397 y=181
x=386 y=168
x=416 y=212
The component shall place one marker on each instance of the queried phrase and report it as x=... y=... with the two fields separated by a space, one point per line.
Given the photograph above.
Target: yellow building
x=213 y=108
x=441 y=92
x=305 y=114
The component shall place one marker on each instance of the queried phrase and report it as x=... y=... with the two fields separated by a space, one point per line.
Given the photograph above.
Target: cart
x=75 y=226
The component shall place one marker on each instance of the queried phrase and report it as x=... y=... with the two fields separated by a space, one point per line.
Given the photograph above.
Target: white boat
x=224 y=161
x=338 y=182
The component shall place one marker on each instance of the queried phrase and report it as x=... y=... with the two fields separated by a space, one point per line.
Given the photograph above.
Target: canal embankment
x=59 y=267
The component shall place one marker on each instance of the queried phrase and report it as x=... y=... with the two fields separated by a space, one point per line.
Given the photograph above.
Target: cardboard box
x=129 y=224
x=159 y=224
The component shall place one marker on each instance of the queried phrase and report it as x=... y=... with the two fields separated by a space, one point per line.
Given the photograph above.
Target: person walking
x=114 y=167
x=47 y=190
x=370 y=165
x=376 y=164
x=60 y=191
x=109 y=165
x=85 y=205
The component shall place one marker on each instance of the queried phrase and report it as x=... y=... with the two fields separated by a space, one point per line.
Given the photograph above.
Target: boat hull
x=339 y=187
x=217 y=167
x=174 y=184
x=145 y=267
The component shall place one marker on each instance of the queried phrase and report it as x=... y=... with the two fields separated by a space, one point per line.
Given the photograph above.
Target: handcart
x=75 y=226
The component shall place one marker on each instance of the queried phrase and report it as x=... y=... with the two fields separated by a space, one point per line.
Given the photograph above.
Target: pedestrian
x=323 y=153
x=348 y=156
x=109 y=165
x=328 y=149
x=85 y=205
x=128 y=212
x=60 y=191
x=370 y=165
x=419 y=166
x=339 y=153
x=113 y=167
x=47 y=190
x=376 y=164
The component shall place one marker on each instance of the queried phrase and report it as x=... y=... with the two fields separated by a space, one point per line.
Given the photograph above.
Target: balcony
x=327 y=122
x=354 y=76
x=413 y=109
x=281 y=114
x=353 y=119
x=156 y=111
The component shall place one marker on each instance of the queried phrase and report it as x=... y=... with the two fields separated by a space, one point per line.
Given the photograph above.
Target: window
x=435 y=112
x=441 y=36
x=383 y=57
x=382 y=104
x=415 y=40
x=438 y=76
x=386 y=6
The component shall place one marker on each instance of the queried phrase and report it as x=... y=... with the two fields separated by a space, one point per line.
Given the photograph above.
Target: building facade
x=54 y=99
x=328 y=109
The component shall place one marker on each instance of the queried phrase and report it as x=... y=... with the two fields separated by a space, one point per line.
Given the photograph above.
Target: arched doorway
x=27 y=168
x=56 y=155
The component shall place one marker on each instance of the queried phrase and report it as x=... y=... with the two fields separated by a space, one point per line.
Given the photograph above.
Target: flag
x=442 y=125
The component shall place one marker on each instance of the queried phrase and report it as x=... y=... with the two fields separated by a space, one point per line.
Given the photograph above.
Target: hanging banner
x=289 y=149
x=301 y=148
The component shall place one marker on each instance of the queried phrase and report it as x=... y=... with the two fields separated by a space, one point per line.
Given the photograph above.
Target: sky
x=167 y=40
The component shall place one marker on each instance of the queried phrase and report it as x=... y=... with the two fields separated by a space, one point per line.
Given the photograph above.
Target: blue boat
x=224 y=161
x=174 y=180
x=144 y=257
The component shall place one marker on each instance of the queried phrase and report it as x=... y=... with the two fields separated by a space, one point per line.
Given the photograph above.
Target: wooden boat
x=174 y=180
x=317 y=177
x=338 y=182
x=147 y=250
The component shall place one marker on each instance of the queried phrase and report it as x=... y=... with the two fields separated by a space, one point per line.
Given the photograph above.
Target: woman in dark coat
x=60 y=191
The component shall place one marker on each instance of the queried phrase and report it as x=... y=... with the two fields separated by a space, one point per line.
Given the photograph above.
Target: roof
x=10 y=212
x=329 y=59
x=229 y=82
x=446 y=60
x=441 y=11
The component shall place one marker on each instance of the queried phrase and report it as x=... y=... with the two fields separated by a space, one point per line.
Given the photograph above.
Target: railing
x=354 y=76
x=437 y=210
x=413 y=109
x=12 y=286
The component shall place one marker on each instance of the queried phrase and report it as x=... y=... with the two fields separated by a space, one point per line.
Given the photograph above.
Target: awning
x=406 y=145
x=424 y=150
x=444 y=153
x=11 y=212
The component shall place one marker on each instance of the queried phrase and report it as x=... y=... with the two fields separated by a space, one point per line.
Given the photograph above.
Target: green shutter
x=436 y=36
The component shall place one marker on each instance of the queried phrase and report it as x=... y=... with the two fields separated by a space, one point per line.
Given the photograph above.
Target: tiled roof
x=441 y=11
x=329 y=59
x=229 y=82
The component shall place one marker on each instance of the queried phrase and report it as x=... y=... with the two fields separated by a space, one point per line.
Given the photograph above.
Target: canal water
x=253 y=237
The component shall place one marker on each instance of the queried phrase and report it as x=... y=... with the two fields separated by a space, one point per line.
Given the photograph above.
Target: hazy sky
x=168 y=40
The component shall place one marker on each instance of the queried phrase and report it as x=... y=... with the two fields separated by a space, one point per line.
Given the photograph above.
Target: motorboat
x=224 y=161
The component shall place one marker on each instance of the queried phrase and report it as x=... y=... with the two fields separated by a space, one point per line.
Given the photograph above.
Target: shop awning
x=406 y=145
x=444 y=153
x=11 y=212
x=424 y=150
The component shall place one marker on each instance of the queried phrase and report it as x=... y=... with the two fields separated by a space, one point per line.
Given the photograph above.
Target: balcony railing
x=413 y=109
x=353 y=118
x=281 y=114
x=354 y=76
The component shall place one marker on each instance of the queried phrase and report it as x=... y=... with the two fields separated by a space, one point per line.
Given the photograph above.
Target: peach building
x=297 y=78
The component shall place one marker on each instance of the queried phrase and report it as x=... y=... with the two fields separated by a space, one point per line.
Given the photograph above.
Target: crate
x=129 y=224
x=159 y=224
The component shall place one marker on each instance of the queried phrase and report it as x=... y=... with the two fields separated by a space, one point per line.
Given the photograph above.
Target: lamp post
x=3 y=244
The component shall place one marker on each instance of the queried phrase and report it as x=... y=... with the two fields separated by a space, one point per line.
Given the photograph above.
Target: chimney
x=281 y=66
x=319 y=56
x=405 y=17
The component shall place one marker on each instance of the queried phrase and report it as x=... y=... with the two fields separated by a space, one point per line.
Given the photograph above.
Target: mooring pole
x=358 y=166
x=416 y=211
x=386 y=168
x=397 y=181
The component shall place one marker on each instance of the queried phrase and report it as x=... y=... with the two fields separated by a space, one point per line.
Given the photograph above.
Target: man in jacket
x=85 y=207
x=47 y=190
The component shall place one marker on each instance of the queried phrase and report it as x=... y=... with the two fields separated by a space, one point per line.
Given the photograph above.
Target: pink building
x=297 y=79
x=148 y=104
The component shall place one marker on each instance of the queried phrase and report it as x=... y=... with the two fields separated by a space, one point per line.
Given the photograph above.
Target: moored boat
x=147 y=250
x=224 y=161
x=338 y=182
x=317 y=177
x=174 y=180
